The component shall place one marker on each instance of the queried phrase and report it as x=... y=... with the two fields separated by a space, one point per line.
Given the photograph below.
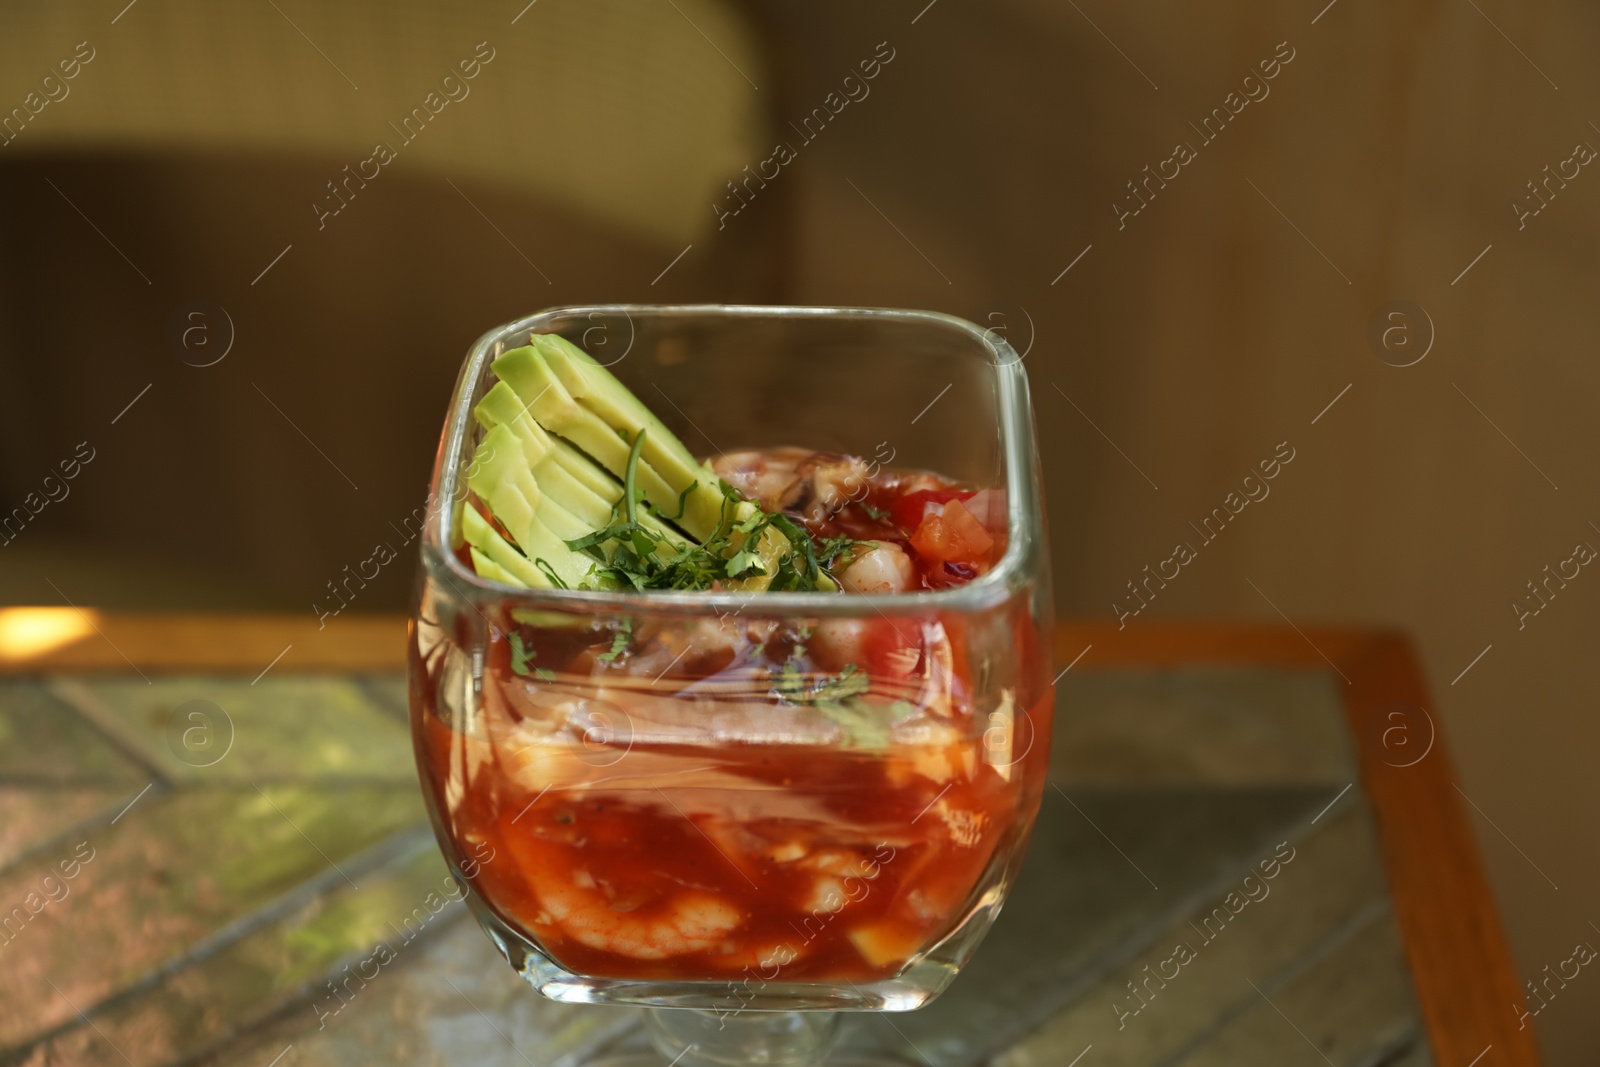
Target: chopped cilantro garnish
x=847 y=683
x=619 y=642
x=789 y=683
x=632 y=555
x=842 y=698
x=803 y=569
x=639 y=556
x=520 y=654
x=683 y=499
x=549 y=572
x=745 y=563
x=801 y=687
x=629 y=494
x=837 y=552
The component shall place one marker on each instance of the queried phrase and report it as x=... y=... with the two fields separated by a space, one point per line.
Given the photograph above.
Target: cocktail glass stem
x=690 y=1037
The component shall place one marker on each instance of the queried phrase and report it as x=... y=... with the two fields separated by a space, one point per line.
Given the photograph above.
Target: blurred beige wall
x=221 y=156
x=591 y=106
x=1209 y=329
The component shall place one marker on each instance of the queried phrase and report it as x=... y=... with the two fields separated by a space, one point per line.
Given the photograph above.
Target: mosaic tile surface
x=235 y=848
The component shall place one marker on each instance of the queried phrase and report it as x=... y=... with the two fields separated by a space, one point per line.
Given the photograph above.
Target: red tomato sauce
x=822 y=864
x=636 y=838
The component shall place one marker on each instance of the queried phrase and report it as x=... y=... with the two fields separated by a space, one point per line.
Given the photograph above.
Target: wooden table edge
x=1460 y=962
x=153 y=644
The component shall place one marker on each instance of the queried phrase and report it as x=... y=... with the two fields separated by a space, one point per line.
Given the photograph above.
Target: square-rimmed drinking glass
x=531 y=766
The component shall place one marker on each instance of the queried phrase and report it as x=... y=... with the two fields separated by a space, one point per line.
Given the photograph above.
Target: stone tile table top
x=192 y=857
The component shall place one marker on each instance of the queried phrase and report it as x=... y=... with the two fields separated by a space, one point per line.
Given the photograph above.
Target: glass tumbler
x=641 y=809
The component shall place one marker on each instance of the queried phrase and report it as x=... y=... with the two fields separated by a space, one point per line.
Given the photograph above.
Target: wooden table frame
x=1459 y=960
x=1460 y=963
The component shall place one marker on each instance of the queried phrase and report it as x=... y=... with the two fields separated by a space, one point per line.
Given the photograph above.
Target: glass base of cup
x=697 y=1038
x=690 y=1038
x=656 y=1059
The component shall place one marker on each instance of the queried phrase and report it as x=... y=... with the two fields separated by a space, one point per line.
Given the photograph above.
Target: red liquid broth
x=629 y=851
x=822 y=863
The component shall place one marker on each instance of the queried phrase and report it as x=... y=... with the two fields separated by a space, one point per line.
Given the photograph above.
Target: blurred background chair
x=216 y=153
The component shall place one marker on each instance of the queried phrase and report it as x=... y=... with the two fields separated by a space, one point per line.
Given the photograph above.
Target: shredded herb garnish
x=850 y=682
x=642 y=558
x=788 y=683
x=836 y=553
x=876 y=514
x=866 y=725
x=838 y=697
x=520 y=654
x=549 y=572
x=744 y=564
x=683 y=500
x=800 y=569
x=630 y=473
x=800 y=687
x=619 y=642
x=631 y=555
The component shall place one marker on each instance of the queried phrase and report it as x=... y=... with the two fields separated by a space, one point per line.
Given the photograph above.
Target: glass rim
x=1014 y=419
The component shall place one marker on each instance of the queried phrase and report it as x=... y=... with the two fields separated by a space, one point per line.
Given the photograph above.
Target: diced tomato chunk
x=988 y=506
x=952 y=535
x=909 y=510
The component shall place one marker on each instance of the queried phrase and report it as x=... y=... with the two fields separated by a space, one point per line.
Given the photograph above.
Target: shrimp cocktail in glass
x=729 y=666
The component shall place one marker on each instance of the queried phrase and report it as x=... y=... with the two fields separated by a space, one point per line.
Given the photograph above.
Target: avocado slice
x=491 y=570
x=595 y=388
x=567 y=477
x=555 y=408
x=501 y=457
x=486 y=543
x=563 y=436
x=586 y=470
x=501 y=477
x=500 y=406
x=575 y=378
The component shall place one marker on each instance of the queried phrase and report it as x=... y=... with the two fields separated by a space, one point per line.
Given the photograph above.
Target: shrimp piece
x=837 y=642
x=827 y=897
x=884 y=568
x=965 y=827
x=768 y=477
x=700 y=648
x=795 y=479
x=841 y=862
x=835 y=481
x=787 y=852
x=691 y=921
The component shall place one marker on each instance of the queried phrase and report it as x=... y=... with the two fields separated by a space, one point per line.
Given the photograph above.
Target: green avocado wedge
x=595 y=492
x=597 y=390
x=502 y=478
